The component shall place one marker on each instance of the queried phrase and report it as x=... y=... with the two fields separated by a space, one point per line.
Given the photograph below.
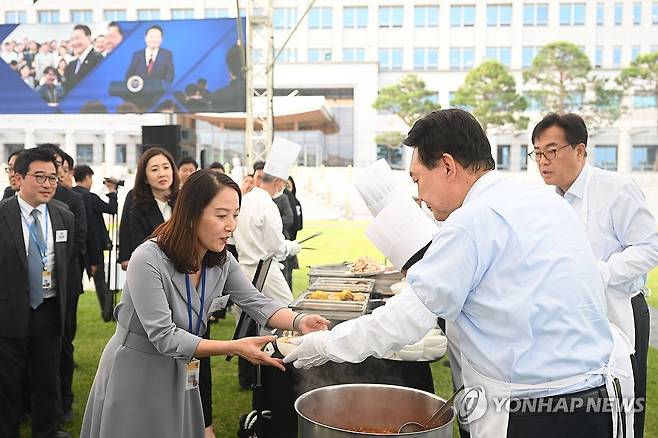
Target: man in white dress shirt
x=619 y=226
x=518 y=280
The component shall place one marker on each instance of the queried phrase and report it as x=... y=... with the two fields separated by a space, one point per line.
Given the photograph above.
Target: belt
x=134 y=341
x=590 y=400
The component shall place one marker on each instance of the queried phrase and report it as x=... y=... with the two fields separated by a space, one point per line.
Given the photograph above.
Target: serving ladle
x=412 y=426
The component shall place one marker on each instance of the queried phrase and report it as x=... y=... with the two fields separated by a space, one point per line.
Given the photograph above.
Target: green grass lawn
x=341 y=241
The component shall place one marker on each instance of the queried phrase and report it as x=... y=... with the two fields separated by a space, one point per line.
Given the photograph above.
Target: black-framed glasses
x=549 y=155
x=52 y=180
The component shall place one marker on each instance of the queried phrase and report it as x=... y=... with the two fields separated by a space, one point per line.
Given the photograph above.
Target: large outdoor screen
x=122 y=67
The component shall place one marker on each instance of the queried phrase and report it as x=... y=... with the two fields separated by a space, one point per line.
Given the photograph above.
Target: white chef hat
x=282 y=156
x=401 y=229
x=377 y=186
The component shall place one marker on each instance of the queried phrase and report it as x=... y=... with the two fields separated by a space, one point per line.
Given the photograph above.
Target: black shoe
x=60 y=434
x=67 y=416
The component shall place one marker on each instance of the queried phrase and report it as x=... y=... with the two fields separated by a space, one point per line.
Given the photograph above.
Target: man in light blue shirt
x=620 y=228
x=518 y=279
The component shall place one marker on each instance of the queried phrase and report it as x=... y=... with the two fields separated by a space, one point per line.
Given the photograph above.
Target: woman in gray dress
x=146 y=384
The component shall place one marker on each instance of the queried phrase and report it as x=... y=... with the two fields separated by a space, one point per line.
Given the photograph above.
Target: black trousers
x=66 y=365
x=102 y=292
x=39 y=354
x=205 y=385
x=641 y=319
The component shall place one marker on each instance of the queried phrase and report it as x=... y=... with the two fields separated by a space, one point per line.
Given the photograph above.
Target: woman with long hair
x=149 y=203
x=147 y=380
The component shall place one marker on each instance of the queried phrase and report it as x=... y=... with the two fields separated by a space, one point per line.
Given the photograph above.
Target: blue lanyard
x=189 y=301
x=43 y=252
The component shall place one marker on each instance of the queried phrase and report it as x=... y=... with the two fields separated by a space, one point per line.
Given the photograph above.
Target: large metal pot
x=339 y=411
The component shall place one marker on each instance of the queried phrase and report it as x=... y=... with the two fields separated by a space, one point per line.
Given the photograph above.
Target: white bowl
x=284 y=346
x=410 y=356
x=435 y=341
x=434 y=353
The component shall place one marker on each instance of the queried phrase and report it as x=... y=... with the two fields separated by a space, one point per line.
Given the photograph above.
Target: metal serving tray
x=353 y=307
x=337 y=284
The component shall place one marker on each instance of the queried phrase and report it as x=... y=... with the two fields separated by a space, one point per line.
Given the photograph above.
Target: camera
x=116 y=182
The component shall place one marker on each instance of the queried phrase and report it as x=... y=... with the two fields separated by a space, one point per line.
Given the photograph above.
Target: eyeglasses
x=9 y=170
x=52 y=180
x=549 y=155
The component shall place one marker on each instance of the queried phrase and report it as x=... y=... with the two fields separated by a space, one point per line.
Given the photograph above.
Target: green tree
x=392 y=139
x=489 y=91
x=642 y=77
x=409 y=99
x=561 y=80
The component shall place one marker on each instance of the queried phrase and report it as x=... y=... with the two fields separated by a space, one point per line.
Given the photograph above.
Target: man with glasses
x=619 y=226
x=13 y=185
x=35 y=250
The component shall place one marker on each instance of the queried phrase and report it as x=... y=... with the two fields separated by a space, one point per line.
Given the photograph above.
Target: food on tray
x=344 y=295
x=318 y=295
x=284 y=345
x=365 y=265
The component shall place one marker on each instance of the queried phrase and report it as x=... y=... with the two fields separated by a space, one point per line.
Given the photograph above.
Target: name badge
x=192 y=381
x=218 y=303
x=46 y=280
x=61 y=235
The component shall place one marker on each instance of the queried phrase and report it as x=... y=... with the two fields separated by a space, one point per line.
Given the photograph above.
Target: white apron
x=494 y=422
x=454 y=354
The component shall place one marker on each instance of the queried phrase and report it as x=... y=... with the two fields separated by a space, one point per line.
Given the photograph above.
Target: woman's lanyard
x=189 y=301
x=43 y=251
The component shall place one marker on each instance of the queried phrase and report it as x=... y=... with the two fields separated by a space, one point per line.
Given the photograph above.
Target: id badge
x=46 y=280
x=192 y=381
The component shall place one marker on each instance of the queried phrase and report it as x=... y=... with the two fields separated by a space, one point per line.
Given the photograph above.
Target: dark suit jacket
x=163 y=69
x=97 y=237
x=14 y=288
x=137 y=223
x=72 y=79
x=76 y=205
x=9 y=192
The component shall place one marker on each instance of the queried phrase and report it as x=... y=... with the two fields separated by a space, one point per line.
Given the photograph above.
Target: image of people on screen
x=86 y=58
x=50 y=90
x=153 y=62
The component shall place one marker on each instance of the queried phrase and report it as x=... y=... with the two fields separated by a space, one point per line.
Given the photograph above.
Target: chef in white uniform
x=520 y=283
x=619 y=226
x=260 y=231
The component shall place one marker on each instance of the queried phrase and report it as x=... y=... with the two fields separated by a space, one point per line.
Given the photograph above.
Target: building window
x=48 y=17
x=390 y=59
x=462 y=58
x=15 y=17
x=572 y=14
x=600 y=13
x=500 y=54
x=502 y=157
x=426 y=58
x=115 y=15
x=319 y=55
x=354 y=54
x=619 y=9
x=499 y=15
x=462 y=15
x=148 y=14
x=644 y=100
x=120 y=154
x=215 y=13
x=284 y=18
x=637 y=13
x=85 y=154
x=605 y=157
x=355 y=17
x=182 y=14
x=426 y=16
x=320 y=18
x=616 y=56
x=524 y=157
x=393 y=156
x=635 y=52
x=654 y=13
x=287 y=55
x=535 y=14
x=82 y=16
x=645 y=158
x=391 y=16
x=598 y=56
x=529 y=53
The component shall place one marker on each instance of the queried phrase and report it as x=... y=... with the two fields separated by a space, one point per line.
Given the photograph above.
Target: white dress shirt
x=150 y=54
x=82 y=58
x=622 y=233
x=165 y=209
x=26 y=221
x=522 y=288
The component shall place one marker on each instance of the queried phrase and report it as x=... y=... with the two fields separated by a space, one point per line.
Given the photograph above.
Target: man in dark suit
x=13 y=186
x=36 y=246
x=97 y=238
x=154 y=62
x=86 y=57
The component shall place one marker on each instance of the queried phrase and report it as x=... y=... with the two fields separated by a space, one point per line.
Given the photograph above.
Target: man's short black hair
x=115 y=24
x=259 y=165
x=572 y=124
x=84 y=28
x=188 y=160
x=69 y=159
x=28 y=156
x=52 y=149
x=156 y=27
x=451 y=131
x=49 y=69
x=217 y=165
x=16 y=152
x=81 y=172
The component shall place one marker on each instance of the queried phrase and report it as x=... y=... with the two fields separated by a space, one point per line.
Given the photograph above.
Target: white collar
x=578 y=187
x=153 y=52
x=83 y=55
x=26 y=209
x=485 y=181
